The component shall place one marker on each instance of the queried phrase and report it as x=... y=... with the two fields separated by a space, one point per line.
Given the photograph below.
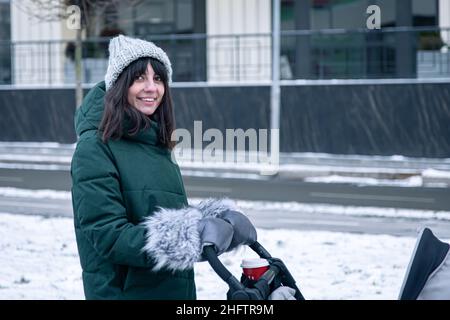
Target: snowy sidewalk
x=309 y=167
x=39 y=261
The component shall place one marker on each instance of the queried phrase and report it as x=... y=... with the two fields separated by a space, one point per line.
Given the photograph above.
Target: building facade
x=344 y=89
x=223 y=41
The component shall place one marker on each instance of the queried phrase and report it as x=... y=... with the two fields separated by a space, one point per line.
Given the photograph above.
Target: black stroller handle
x=287 y=278
x=260 y=250
x=276 y=266
x=211 y=256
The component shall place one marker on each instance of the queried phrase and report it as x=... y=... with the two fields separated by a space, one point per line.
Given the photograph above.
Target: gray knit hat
x=124 y=50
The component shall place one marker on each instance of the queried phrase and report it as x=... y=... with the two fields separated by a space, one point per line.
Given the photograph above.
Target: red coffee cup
x=254 y=268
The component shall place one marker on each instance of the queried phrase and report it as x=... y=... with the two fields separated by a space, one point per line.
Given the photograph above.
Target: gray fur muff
x=172 y=237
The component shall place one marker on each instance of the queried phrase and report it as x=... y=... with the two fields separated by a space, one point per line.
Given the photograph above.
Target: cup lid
x=254 y=263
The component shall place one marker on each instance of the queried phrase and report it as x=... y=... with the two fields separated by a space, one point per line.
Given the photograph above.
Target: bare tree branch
x=46 y=10
x=56 y=10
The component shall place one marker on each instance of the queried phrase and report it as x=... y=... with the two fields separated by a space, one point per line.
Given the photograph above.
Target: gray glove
x=282 y=293
x=244 y=231
x=215 y=231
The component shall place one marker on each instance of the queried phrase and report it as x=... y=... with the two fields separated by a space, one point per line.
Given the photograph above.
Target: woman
x=137 y=237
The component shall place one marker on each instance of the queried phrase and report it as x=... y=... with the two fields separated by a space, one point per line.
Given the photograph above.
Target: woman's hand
x=244 y=231
x=216 y=232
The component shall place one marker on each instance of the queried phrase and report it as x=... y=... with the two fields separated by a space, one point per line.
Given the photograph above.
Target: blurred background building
x=214 y=40
x=345 y=89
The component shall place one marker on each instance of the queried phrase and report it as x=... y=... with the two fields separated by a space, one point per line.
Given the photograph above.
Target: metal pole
x=78 y=70
x=275 y=87
x=49 y=63
x=79 y=60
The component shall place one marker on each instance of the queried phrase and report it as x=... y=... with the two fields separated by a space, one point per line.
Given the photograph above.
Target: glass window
x=155 y=17
x=425 y=13
x=357 y=54
x=350 y=14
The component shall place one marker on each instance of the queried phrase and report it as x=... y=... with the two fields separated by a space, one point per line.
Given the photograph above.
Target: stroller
x=428 y=274
x=277 y=275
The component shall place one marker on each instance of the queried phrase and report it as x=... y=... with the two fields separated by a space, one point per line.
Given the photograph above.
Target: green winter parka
x=115 y=185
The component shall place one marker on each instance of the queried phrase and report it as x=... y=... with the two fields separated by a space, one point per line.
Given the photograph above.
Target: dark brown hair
x=117 y=106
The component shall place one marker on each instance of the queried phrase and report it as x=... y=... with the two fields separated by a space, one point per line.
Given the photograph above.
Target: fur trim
x=172 y=238
x=214 y=207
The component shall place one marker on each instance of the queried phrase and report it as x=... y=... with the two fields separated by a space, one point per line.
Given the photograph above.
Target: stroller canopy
x=428 y=274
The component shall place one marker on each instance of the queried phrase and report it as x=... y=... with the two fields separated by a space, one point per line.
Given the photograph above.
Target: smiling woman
x=137 y=90
x=137 y=236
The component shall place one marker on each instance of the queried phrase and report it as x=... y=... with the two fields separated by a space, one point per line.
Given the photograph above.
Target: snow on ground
x=361 y=170
x=37 y=145
x=39 y=260
x=265 y=205
x=39 y=256
x=414 y=181
x=432 y=173
x=36 y=158
x=291 y=206
x=35 y=194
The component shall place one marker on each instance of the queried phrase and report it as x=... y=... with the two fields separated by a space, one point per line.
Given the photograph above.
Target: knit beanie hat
x=124 y=50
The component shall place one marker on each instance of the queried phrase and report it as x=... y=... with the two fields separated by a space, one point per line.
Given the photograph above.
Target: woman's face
x=146 y=92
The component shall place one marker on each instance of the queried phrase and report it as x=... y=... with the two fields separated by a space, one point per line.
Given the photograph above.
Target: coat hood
x=90 y=113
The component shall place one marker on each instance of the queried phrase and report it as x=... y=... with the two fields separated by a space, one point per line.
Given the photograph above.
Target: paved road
x=267 y=189
x=20 y=149
x=268 y=219
x=344 y=223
